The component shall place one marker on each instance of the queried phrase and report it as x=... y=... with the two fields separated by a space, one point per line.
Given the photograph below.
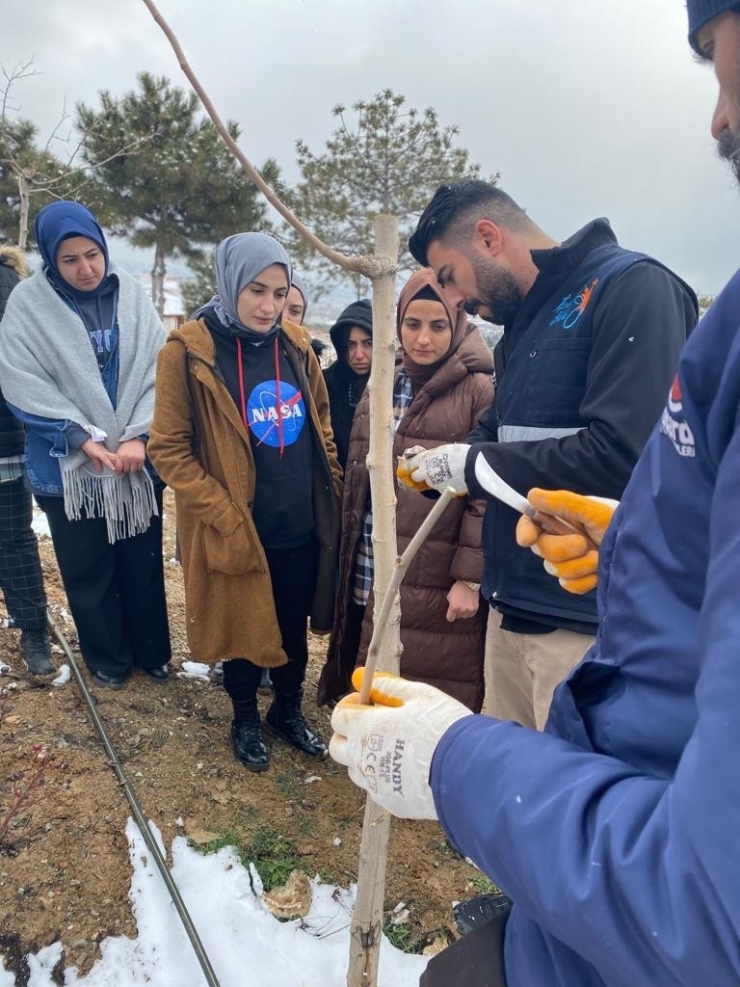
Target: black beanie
x=702 y=11
x=360 y=314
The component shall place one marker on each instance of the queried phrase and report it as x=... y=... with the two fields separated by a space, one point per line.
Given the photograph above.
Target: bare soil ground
x=64 y=865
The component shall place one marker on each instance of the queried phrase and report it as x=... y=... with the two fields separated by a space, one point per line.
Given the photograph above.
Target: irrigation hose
x=141 y=821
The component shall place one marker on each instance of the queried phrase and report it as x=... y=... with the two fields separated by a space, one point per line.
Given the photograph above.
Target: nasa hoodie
x=265 y=388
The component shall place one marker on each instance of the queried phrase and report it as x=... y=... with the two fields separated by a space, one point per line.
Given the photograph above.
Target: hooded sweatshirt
x=261 y=379
x=345 y=387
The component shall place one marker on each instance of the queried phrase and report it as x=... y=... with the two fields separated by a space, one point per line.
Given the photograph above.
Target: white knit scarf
x=48 y=368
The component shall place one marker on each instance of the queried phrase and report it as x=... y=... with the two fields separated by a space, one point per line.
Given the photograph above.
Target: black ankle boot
x=36 y=652
x=285 y=719
x=246 y=736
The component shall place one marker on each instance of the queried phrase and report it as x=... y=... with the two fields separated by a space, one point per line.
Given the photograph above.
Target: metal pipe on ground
x=136 y=809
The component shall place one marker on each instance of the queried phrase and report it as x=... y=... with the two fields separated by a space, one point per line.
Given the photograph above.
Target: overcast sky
x=586 y=107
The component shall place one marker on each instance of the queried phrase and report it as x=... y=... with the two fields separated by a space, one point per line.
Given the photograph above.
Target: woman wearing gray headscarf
x=241 y=433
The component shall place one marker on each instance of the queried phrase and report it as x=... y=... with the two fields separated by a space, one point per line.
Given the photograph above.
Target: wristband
x=474 y=586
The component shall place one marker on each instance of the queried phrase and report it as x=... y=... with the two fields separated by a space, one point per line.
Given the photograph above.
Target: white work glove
x=388 y=747
x=435 y=469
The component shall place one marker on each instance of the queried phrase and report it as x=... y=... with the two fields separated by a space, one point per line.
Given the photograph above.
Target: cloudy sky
x=586 y=107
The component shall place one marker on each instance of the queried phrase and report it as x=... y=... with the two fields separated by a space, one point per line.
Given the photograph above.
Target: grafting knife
x=500 y=489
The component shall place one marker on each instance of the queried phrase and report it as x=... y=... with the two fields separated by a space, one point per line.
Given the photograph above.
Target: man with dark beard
x=592 y=334
x=615 y=831
x=724 y=52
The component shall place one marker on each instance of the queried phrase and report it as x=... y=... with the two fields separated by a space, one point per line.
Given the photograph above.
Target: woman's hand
x=99 y=455
x=130 y=456
x=463 y=601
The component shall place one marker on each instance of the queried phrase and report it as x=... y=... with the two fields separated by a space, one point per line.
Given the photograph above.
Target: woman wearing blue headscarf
x=241 y=433
x=78 y=352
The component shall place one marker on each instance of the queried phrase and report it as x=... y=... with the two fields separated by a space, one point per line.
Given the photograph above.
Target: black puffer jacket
x=12 y=269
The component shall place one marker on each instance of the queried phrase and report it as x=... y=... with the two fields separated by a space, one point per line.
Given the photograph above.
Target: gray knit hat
x=702 y=11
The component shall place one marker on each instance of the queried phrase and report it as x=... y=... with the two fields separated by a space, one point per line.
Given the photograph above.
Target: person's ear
x=488 y=237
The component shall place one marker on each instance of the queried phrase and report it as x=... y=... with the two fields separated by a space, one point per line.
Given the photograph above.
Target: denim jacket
x=48 y=440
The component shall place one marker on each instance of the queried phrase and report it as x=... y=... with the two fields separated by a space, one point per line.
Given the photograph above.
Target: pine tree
x=390 y=160
x=182 y=191
x=200 y=288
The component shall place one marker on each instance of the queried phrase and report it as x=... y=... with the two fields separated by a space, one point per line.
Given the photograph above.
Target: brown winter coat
x=447 y=655
x=206 y=458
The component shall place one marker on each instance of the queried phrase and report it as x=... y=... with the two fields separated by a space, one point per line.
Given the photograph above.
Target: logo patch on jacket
x=572 y=307
x=266 y=417
x=673 y=424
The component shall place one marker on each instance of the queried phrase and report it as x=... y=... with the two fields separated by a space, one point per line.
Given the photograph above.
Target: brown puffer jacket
x=228 y=594
x=446 y=655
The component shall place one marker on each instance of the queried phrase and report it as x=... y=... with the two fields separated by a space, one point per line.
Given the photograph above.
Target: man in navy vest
x=615 y=831
x=592 y=334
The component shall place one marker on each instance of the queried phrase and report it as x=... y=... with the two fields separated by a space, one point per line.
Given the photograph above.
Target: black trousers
x=115 y=592
x=293 y=575
x=476 y=960
x=21 y=579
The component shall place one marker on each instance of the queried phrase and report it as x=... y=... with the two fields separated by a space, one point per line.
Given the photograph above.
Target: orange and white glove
x=573 y=558
x=388 y=747
x=434 y=469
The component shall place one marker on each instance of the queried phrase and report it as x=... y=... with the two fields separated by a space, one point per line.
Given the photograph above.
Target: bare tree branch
x=369 y=266
x=399 y=571
x=54 y=135
x=21 y=70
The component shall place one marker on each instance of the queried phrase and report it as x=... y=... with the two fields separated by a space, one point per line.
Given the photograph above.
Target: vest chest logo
x=571 y=308
x=673 y=424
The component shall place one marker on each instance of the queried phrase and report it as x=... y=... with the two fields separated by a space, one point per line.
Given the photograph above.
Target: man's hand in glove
x=574 y=559
x=434 y=469
x=388 y=747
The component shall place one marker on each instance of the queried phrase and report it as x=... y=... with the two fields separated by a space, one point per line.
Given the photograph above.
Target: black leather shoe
x=108 y=681
x=249 y=747
x=475 y=912
x=159 y=674
x=285 y=719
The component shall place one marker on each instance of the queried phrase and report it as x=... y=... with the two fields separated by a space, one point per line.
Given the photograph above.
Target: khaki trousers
x=522 y=670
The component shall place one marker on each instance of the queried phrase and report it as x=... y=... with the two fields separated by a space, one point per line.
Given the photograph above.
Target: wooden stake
x=367 y=917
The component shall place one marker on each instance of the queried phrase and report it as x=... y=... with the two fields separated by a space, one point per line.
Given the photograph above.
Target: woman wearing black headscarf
x=241 y=433
x=77 y=361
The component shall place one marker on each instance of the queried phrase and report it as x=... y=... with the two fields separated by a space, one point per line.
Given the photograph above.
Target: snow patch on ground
x=41 y=526
x=62 y=676
x=194 y=670
x=238 y=933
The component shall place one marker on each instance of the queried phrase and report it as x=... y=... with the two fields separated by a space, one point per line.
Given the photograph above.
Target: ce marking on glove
x=370 y=767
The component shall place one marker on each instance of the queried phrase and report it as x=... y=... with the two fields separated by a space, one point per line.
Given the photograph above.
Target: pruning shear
x=500 y=489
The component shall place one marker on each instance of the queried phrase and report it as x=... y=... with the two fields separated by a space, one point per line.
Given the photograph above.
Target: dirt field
x=64 y=867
